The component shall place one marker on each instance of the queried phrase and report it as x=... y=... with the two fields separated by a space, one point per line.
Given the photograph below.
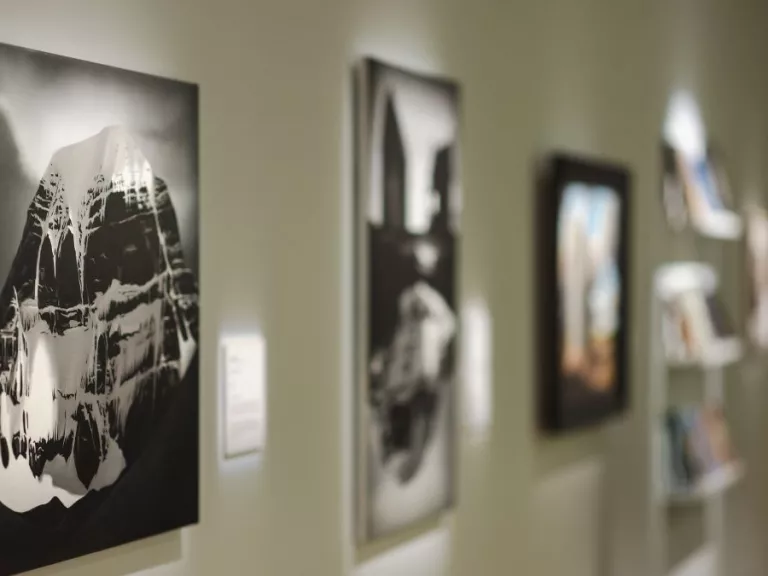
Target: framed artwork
x=98 y=307
x=408 y=202
x=583 y=292
x=757 y=275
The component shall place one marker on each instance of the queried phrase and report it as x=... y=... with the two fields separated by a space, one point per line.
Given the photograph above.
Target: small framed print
x=583 y=291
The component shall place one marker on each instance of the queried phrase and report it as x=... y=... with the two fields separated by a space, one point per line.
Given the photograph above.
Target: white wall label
x=478 y=366
x=245 y=410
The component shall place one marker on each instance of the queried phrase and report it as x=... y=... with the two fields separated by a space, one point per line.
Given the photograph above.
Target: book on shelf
x=716 y=161
x=697 y=445
x=693 y=323
x=673 y=192
x=695 y=186
x=705 y=184
x=757 y=270
x=722 y=326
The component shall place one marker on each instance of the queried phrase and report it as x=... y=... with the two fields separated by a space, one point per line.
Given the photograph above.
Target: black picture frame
x=567 y=403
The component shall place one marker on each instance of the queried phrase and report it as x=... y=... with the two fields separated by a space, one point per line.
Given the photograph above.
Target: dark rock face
x=98 y=316
x=88 y=447
x=155 y=494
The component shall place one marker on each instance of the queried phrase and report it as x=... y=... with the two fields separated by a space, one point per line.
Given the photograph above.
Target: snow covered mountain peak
x=110 y=156
x=100 y=310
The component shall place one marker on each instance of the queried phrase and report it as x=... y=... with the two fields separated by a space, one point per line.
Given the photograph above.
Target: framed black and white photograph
x=583 y=284
x=408 y=203
x=98 y=307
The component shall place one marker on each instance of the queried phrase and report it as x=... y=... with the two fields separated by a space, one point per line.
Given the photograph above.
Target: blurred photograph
x=582 y=255
x=409 y=202
x=590 y=285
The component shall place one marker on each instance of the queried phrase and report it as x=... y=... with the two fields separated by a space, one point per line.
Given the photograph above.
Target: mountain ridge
x=99 y=276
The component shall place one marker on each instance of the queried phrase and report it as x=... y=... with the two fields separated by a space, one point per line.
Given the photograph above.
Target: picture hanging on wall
x=582 y=254
x=98 y=307
x=408 y=202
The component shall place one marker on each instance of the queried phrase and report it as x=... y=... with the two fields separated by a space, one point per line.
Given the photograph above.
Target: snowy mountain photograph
x=98 y=307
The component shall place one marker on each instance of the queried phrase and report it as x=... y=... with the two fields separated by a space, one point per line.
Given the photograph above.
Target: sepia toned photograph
x=408 y=231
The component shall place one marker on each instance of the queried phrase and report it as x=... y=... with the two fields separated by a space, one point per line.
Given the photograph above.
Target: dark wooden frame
x=557 y=172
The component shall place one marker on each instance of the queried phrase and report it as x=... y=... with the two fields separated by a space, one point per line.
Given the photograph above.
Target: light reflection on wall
x=683 y=127
x=478 y=369
x=425 y=556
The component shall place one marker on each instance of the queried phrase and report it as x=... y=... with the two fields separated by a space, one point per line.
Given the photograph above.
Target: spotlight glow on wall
x=683 y=127
x=427 y=555
x=478 y=368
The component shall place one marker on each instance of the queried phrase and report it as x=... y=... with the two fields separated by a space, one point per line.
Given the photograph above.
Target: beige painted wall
x=587 y=75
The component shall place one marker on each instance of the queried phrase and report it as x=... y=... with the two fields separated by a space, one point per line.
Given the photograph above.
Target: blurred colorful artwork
x=582 y=254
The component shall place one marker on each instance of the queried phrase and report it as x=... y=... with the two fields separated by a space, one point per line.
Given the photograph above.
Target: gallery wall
x=276 y=203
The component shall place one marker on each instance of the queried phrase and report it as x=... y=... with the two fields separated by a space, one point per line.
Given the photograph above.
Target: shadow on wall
x=567 y=510
x=555 y=453
x=140 y=558
x=16 y=191
x=569 y=467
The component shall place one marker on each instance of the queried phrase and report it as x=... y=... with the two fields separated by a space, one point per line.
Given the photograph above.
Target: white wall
x=590 y=75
